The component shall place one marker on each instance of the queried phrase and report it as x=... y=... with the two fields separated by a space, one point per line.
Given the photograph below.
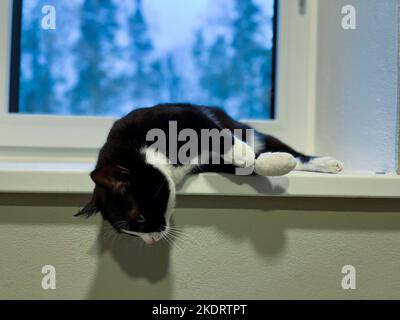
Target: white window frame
x=25 y=136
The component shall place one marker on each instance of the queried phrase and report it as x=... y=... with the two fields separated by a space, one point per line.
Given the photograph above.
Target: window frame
x=81 y=137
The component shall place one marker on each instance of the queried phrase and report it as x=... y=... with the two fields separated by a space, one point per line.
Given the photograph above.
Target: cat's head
x=136 y=201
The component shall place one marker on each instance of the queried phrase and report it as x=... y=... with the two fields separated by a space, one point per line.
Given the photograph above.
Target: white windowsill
x=74 y=178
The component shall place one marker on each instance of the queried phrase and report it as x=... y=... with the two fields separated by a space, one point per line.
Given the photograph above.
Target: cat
x=135 y=184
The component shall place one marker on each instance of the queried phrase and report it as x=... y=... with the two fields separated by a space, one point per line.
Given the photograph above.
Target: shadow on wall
x=261 y=185
x=142 y=265
x=146 y=271
x=266 y=224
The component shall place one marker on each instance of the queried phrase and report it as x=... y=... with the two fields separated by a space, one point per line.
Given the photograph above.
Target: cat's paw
x=242 y=155
x=328 y=165
x=275 y=164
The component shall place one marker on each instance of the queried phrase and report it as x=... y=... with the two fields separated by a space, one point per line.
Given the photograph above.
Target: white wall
x=235 y=248
x=357 y=84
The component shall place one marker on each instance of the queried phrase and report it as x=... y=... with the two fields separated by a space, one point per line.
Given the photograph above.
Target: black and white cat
x=135 y=184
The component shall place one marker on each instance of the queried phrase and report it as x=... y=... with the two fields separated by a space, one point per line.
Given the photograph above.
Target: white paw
x=328 y=165
x=241 y=155
x=275 y=164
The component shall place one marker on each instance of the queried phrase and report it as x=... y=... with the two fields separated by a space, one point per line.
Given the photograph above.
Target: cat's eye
x=141 y=219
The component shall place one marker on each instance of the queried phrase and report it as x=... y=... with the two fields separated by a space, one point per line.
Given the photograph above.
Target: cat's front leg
x=240 y=155
x=267 y=164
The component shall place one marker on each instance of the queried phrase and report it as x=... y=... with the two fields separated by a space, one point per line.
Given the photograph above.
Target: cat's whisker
x=180 y=238
x=111 y=228
x=112 y=233
x=176 y=236
x=183 y=238
x=179 y=244
x=106 y=231
x=120 y=224
x=174 y=230
x=177 y=228
x=164 y=234
x=170 y=240
x=115 y=237
x=178 y=232
x=106 y=235
x=125 y=226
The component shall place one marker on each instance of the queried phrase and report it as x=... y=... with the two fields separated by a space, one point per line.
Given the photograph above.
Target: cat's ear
x=111 y=177
x=89 y=210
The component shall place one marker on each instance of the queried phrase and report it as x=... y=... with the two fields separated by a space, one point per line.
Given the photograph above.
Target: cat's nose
x=151 y=240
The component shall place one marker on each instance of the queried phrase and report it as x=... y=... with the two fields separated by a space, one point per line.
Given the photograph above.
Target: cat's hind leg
x=273 y=164
x=271 y=156
x=271 y=150
x=319 y=164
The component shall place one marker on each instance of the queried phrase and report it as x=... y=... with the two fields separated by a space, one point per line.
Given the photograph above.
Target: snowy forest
x=109 y=57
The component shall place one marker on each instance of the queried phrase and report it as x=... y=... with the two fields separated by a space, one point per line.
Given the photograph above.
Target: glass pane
x=109 y=57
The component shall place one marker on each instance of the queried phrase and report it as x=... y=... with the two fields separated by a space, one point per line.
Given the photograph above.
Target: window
x=106 y=58
x=50 y=124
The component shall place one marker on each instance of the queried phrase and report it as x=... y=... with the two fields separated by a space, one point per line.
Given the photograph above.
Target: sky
x=172 y=27
x=173 y=23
